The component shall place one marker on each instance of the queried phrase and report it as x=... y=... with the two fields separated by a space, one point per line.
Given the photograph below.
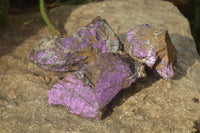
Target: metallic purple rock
x=88 y=91
x=138 y=47
x=71 y=53
x=97 y=35
x=50 y=54
x=107 y=40
x=166 y=72
x=153 y=47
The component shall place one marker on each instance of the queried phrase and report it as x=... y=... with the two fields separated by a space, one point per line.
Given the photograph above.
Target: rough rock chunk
x=153 y=47
x=71 y=53
x=88 y=91
x=50 y=54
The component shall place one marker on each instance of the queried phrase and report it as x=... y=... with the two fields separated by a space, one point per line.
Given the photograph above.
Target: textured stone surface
x=71 y=53
x=88 y=91
x=151 y=46
x=151 y=105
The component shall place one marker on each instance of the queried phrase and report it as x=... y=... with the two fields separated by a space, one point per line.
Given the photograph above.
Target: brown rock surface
x=149 y=105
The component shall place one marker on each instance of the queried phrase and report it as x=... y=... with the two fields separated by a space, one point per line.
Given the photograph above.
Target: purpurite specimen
x=153 y=47
x=50 y=54
x=88 y=91
x=71 y=53
x=102 y=68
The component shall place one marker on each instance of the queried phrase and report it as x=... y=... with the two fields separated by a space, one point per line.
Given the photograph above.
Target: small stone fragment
x=88 y=91
x=71 y=53
x=50 y=54
x=153 y=47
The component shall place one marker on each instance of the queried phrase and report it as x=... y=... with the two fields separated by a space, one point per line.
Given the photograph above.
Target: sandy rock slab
x=149 y=105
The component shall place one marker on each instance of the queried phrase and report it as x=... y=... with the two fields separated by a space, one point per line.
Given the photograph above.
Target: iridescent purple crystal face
x=77 y=94
x=88 y=91
x=64 y=54
x=153 y=47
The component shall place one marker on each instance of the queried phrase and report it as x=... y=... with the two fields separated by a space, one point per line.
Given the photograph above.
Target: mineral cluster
x=102 y=67
x=71 y=53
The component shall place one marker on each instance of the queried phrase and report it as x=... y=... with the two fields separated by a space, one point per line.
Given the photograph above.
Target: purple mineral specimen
x=88 y=91
x=153 y=47
x=50 y=54
x=71 y=53
x=102 y=72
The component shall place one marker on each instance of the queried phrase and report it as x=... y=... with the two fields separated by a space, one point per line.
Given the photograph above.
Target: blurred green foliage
x=3 y=12
x=46 y=18
x=195 y=24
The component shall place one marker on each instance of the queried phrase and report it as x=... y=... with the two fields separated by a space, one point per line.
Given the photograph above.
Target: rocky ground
x=149 y=105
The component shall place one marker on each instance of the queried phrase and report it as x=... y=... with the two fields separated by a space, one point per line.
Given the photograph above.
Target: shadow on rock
x=124 y=94
x=186 y=57
x=63 y=12
x=197 y=126
x=186 y=54
x=21 y=26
